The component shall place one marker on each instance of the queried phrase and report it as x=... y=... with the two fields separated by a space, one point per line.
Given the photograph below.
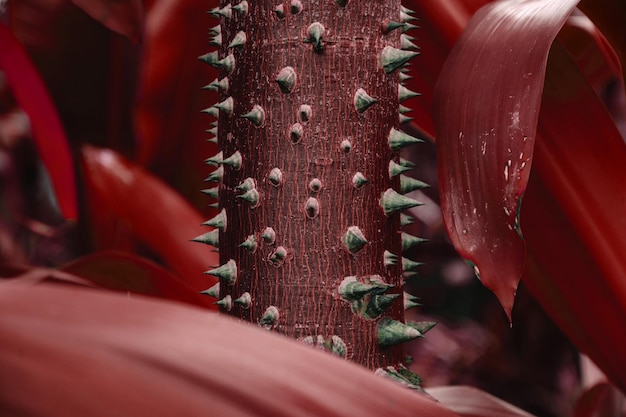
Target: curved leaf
x=32 y=96
x=485 y=122
x=122 y=16
x=102 y=354
x=152 y=211
x=472 y=402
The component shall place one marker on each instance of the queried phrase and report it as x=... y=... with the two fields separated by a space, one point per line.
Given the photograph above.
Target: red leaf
x=122 y=16
x=486 y=110
x=602 y=400
x=32 y=96
x=472 y=402
x=101 y=354
x=127 y=272
x=156 y=214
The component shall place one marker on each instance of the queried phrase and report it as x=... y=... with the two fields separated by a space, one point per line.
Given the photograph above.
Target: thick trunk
x=306 y=200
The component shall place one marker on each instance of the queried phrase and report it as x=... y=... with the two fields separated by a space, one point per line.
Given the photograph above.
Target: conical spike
x=404 y=119
x=406 y=44
x=227 y=272
x=247 y=184
x=405 y=94
x=212 y=131
x=251 y=196
x=233 y=161
x=250 y=243
x=404 y=109
x=280 y=11
x=422 y=326
x=397 y=169
x=296 y=6
x=409 y=265
x=218 y=85
x=408 y=184
x=390 y=26
x=362 y=100
x=215 y=206
x=238 y=41
x=225 y=12
x=219 y=221
x=241 y=8
x=215 y=30
x=216 y=40
x=391 y=332
x=398 y=140
x=209 y=58
x=215 y=159
x=214 y=291
x=391 y=58
x=406 y=163
x=406 y=18
x=216 y=176
x=378 y=304
x=316 y=34
x=278 y=256
x=212 y=140
x=211 y=111
x=359 y=180
x=269 y=236
x=390 y=259
x=406 y=220
x=392 y=202
x=211 y=192
x=404 y=77
x=409 y=26
x=406 y=10
x=304 y=113
x=408 y=241
x=295 y=132
x=256 y=115
x=411 y=301
x=312 y=207
x=270 y=317
x=226 y=106
x=352 y=290
x=286 y=79
x=353 y=239
x=226 y=303
x=227 y=64
x=345 y=146
x=210 y=238
x=244 y=300
x=275 y=177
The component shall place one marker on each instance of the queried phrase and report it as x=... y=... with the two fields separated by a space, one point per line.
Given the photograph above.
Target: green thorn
x=227 y=64
x=215 y=30
x=316 y=33
x=397 y=169
x=226 y=303
x=211 y=111
x=212 y=131
x=256 y=115
x=422 y=326
x=286 y=79
x=389 y=26
x=209 y=58
x=219 y=221
x=352 y=290
x=391 y=332
x=275 y=177
x=378 y=304
x=245 y=185
x=406 y=18
x=408 y=26
x=406 y=163
x=212 y=140
x=244 y=300
x=226 y=106
x=404 y=119
x=392 y=202
x=391 y=58
x=409 y=265
x=251 y=197
x=359 y=180
x=280 y=11
x=390 y=259
x=406 y=10
x=211 y=192
x=215 y=206
x=406 y=220
x=408 y=184
x=278 y=256
x=214 y=291
x=404 y=109
x=210 y=238
x=353 y=239
x=408 y=241
x=304 y=113
x=215 y=159
x=296 y=6
x=362 y=100
x=411 y=301
x=315 y=185
x=295 y=132
x=216 y=40
x=218 y=85
x=406 y=44
x=336 y=346
x=405 y=94
x=227 y=272
x=241 y=8
x=224 y=12
x=216 y=176
x=270 y=317
x=312 y=207
x=238 y=41
x=398 y=140
x=250 y=243
x=268 y=235
x=404 y=77
x=233 y=161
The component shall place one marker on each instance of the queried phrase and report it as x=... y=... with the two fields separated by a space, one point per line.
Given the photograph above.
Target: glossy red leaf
x=122 y=16
x=152 y=211
x=471 y=402
x=130 y=273
x=32 y=96
x=486 y=118
x=102 y=354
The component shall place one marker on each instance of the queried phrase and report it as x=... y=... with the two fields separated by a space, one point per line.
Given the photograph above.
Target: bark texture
x=308 y=107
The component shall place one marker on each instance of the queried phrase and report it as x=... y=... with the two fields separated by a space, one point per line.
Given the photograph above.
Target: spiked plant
x=308 y=112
